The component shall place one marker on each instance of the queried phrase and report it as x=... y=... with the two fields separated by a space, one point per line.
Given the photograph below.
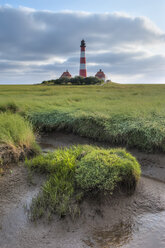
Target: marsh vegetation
x=129 y=115
x=125 y=115
x=78 y=171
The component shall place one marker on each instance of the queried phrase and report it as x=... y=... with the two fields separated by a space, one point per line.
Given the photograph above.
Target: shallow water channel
x=125 y=221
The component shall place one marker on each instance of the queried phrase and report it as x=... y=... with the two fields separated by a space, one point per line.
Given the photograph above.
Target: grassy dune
x=131 y=115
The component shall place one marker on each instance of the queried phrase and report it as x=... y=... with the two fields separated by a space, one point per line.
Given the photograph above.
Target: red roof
x=100 y=74
x=66 y=74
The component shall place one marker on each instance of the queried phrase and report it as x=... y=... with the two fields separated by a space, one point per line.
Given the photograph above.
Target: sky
x=39 y=39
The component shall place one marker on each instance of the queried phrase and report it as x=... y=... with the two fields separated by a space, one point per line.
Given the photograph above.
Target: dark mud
x=125 y=221
x=11 y=155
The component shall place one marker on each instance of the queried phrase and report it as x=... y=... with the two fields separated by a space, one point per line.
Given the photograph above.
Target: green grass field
x=131 y=115
x=133 y=100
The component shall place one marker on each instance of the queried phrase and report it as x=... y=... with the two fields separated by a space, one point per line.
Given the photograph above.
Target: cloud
x=43 y=43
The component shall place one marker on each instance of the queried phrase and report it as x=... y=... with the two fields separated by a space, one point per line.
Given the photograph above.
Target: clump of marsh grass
x=146 y=134
x=15 y=131
x=76 y=171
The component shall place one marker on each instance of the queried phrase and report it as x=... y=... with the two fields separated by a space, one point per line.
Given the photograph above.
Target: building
x=100 y=74
x=66 y=74
x=83 y=70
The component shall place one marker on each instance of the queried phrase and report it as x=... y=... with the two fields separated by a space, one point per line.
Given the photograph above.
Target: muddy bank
x=128 y=221
x=153 y=165
x=11 y=155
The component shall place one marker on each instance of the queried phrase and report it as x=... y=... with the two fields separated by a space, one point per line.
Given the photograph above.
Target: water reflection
x=147 y=231
x=119 y=235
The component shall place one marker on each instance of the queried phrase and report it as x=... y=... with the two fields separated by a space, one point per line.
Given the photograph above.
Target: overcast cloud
x=39 y=45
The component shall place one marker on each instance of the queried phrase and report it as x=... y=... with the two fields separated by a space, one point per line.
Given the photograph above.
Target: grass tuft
x=75 y=171
x=15 y=131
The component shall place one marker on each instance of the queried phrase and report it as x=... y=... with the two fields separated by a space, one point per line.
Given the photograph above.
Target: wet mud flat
x=116 y=221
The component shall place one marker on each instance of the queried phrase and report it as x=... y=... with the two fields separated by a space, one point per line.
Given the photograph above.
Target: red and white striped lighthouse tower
x=83 y=70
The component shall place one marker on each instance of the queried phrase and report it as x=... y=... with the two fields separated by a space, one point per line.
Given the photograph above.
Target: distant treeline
x=73 y=81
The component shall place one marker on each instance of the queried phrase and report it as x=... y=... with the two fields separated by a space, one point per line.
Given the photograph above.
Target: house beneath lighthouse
x=66 y=74
x=100 y=74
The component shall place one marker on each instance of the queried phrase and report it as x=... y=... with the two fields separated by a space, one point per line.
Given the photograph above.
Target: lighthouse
x=83 y=70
